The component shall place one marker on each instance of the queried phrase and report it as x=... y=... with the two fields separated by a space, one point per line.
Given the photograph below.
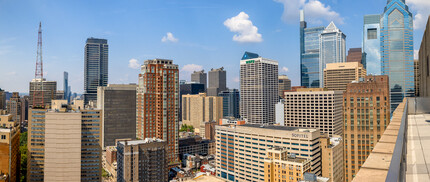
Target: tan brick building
x=281 y=166
x=338 y=75
x=332 y=158
x=9 y=153
x=198 y=109
x=366 y=115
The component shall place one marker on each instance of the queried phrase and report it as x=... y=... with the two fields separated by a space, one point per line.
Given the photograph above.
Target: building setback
x=366 y=115
x=338 y=75
x=315 y=108
x=95 y=67
x=217 y=81
x=158 y=104
x=258 y=89
x=118 y=104
x=241 y=149
x=142 y=160
x=230 y=103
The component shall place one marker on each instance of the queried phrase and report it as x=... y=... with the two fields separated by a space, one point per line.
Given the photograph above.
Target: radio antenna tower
x=38 y=96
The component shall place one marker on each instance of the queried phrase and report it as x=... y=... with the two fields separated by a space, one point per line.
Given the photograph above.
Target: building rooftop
x=273 y=127
x=418 y=158
x=137 y=142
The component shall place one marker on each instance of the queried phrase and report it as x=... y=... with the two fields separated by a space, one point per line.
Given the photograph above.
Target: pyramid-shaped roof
x=331 y=28
x=249 y=55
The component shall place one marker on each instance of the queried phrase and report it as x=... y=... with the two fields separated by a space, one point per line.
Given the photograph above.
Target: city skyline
x=211 y=30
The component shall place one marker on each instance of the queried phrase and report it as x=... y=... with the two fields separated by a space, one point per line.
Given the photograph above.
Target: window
x=372 y=33
x=3 y=137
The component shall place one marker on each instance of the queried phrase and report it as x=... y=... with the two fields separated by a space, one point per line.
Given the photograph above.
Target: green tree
x=23 y=151
x=186 y=128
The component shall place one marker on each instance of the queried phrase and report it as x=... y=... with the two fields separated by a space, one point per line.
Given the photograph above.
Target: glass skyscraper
x=95 y=67
x=371 y=44
x=332 y=48
x=397 y=50
x=309 y=54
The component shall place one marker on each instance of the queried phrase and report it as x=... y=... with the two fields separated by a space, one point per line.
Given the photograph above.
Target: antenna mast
x=38 y=96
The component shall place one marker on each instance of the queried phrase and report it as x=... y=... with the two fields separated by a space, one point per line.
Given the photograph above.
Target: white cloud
x=133 y=64
x=284 y=69
x=421 y=7
x=416 y=55
x=246 y=31
x=315 y=11
x=236 y=79
x=169 y=38
x=191 y=67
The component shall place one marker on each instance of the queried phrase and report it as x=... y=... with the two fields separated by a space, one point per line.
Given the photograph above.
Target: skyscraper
x=284 y=83
x=309 y=54
x=200 y=77
x=48 y=88
x=397 y=50
x=356 y=55
x=14 y=107
x=158 y=104
x=371 y=44
x=66 y=86
x=188 y=88
x=332 y=48
x=230 y=103
x=258 y=89
x=217 y=81
x=338 y=75
x=95 y=67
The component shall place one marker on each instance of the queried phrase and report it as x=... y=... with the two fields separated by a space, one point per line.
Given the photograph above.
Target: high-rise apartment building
x=142 y=160
x=200 y=77
x=49 y=90
x=64 y=144
x=198 y=109
x=371 y=44
x=217 y=81
x=309 y=54
x=118 y=105
x=332 y=48
x=158 y=104
x=9 y=150
x=189 y=88
x=281 y=166
x=284 y=83
x=242 y=149
x=258 y=88
x=356 y=55
x=338 y=75
x=397 y=50
x=424 y=63
x=230 y=103
x=95 y=67
x=14 y=107
x=332 y=158
x=366 y=107
x=314 y=108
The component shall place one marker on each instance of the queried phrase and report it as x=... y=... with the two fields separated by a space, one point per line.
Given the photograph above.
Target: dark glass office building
x=95 y=67
x=230 y=103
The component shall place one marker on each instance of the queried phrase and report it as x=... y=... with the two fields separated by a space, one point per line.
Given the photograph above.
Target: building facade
x=142 y=160
x=281 y=166
x=49 y=91
x=258 y=89
x=157 y=104
x=284 y=83
x=200 y=77
x=95 y=67
x=118 y=104
x=371 y=43
x=332 y=158
x=397 y=50
x=424 y=63
x=189 y=88
x=196 y=145
x=217 y=81
x=230 y=103
x=314 y=108
x=198 y=109
x=332 y=48
x=338 y=75
x=14 y=107
x=356 y=55
x=366 y=115
x=241 y=149
x=66 y=88
x=9 y=153
x=417 y=77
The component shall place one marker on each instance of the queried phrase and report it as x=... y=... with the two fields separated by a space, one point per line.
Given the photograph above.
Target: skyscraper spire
x=38 y=100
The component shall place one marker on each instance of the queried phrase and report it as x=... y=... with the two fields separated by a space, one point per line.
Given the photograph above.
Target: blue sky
x=197 y=34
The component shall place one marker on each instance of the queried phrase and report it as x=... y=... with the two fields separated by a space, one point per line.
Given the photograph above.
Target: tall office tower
x=371 y=44
x=258 y=89
x=230 y=103
x=424 y=63
x=332 y=48
x=49 y=89
x=217 y=81
x=118 y=104
x=338 y=75
x=14 y=107
x=200 y=77
x=188 y=88
x=2 y=99
x=95 y=67
x=332 y=158
x=24 y=108
x=315 y=108
x=64 y=145
x=356 y=55
x=9 y=149
x=397 y=50
x=309 y=54
x=142 y=160
x=198 y=109
x=276 y=162
x=284 y=83
x=158 y=104
x=366 y=115
x=417 y=77
x=241 y=149
x=66 y=86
